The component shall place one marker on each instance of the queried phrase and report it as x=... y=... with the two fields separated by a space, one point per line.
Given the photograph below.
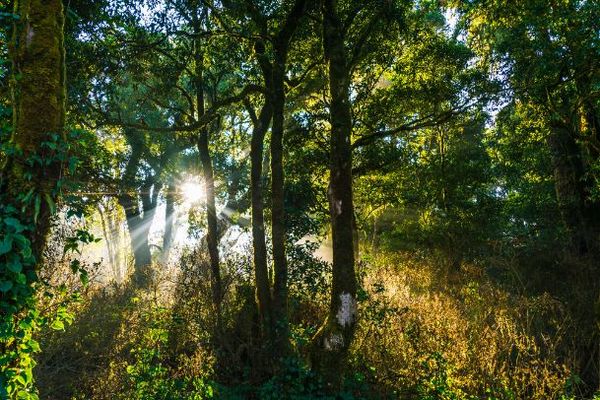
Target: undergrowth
x=419 y=337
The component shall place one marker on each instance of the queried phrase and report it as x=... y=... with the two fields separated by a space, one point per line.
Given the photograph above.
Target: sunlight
x=193 y=192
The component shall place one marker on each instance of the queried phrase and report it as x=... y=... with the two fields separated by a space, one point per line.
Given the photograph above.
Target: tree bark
x=39 y=95
x=278 y=225
x=261 y=271
x=169 y=221
x=278 y=231
x=332 y=341
x=568 y=180
x=209 y=183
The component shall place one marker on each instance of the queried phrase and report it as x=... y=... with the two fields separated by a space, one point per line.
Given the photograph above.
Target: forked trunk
x=261 y=271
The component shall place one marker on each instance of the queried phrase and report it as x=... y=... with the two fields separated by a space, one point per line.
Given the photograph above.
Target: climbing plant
x=20 y=319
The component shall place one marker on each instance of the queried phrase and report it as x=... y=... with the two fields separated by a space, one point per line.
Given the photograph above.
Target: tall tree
x=273 y=67
x=35 y=166
x=335 y=336
x=546 y=53
x=39 y=93
x=281 y=44
x=200 y=19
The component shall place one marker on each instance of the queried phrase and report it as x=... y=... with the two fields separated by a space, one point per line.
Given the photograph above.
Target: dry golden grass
x=418 y=326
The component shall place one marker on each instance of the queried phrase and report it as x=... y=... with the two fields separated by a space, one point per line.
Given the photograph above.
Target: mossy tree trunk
x=332 y=341
x=39 y=94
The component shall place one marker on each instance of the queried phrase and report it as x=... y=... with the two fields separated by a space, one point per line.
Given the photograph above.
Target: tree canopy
x=299 y=199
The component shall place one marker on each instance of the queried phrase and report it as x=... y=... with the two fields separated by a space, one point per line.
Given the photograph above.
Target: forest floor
x=425 y=332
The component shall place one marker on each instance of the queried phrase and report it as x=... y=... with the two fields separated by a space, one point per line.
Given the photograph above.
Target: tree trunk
x=138 y=233
x=209 y=183
x=169 y=222
x=139 y=222
x=568 y=180
x=110 y=240
x=261 y=270
x=333 y=340
x=280 y=291
x=211 y=216
x=38 y=104
x=115 y=223
x=38 y=94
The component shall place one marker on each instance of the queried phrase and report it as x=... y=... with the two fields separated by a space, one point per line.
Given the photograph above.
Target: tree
x=34 y=166
x=38 y=93
x=273 y=67
x=546 y=56
x=335 y=336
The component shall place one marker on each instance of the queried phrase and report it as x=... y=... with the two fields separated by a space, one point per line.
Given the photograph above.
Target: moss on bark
x=39 y=94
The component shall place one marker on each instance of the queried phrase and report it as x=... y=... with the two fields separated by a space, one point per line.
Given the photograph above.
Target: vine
x=20 y=318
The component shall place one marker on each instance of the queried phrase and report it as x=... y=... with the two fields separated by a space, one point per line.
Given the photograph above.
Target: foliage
x=474 y=129
x=21 y=319
x=149 y=377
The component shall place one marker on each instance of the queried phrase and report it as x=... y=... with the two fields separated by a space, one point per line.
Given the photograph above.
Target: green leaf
x=21 y=279
x=57 y=325
x=37 y=205
x=26 y=252
x=75 y=265
x=6 y=244
x=14 y=265
x=50 y=203
x=5 y=286
x=28 y=195
x=84 y=277
x=15 y=224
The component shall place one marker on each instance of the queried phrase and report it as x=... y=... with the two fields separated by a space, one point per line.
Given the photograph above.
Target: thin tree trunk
x=280 y=291
x=107 y=232
x=333 y=340
x=209 y=184
x=211 y=217
x=114 y=223
x=278 y=226
x=169 y=221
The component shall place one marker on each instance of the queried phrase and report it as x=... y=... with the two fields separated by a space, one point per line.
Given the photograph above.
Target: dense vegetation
x=353 y=199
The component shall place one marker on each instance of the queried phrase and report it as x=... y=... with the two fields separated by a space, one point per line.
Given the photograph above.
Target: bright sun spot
x=193 y=192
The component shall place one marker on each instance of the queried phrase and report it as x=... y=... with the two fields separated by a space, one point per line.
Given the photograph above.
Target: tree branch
x=208 y=116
